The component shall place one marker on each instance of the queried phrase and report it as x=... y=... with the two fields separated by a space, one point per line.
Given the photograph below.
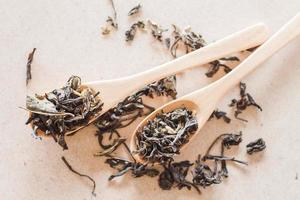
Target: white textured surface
x=68 y=41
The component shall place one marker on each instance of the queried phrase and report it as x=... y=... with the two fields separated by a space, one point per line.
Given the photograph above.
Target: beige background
x=68 y=41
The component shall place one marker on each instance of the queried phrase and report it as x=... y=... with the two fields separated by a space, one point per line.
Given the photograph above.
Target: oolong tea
x=63 y=110
x=161 y=138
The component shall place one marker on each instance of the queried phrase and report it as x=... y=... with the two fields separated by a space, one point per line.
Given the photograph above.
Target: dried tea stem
x=80 y=174
x=28 y=66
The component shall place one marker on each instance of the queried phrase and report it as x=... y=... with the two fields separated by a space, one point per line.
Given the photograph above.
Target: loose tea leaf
x=80 y=174
x=245 y=101
x=156 y=30
x=192 y=41
x=256 y=146
x=161 y=138
x=123 y=166
x=189 y=39
x=130 y=34
x=204 y=176
x=217 y=64
x=174 y=175
x=111 y=22
x=228 y=140
x=64 y=109
x=135 y=10
x=220 y=114
x=28 y=66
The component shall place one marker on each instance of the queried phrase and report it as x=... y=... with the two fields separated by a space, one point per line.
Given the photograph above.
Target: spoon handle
x=287 y=33
x=244 y=39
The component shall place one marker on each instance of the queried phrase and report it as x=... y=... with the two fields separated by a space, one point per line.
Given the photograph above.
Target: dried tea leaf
x=156 y=30
x=111 y=22
x=256 y=146
x=220 y=114
x=135 y=10
x=130 y=34
x=28 y=66
x=243 y=103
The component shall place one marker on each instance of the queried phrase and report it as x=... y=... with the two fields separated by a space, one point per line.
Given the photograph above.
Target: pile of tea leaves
x=131 y=108
x=162 y=137
x=63 y=110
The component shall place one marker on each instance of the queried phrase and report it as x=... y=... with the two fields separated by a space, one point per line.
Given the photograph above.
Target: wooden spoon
x=204 y=101
x=114 y=91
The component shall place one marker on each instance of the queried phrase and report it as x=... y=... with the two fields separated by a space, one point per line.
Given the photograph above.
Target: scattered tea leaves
x=174 y=175
x=28 y=66
x=256 y=146
x=187 y=38
x=204 y=176
x=123 y=166
x=79 y=174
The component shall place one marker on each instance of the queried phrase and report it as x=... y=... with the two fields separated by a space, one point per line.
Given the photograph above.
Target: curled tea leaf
x=256 y=146
x=220 y=114
x=130 y=34
x=174 y=175
x=243 y=103
x=156 y=30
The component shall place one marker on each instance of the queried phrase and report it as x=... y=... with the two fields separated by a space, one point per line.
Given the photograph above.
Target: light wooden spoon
x=114 y=91
x=204 y=101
